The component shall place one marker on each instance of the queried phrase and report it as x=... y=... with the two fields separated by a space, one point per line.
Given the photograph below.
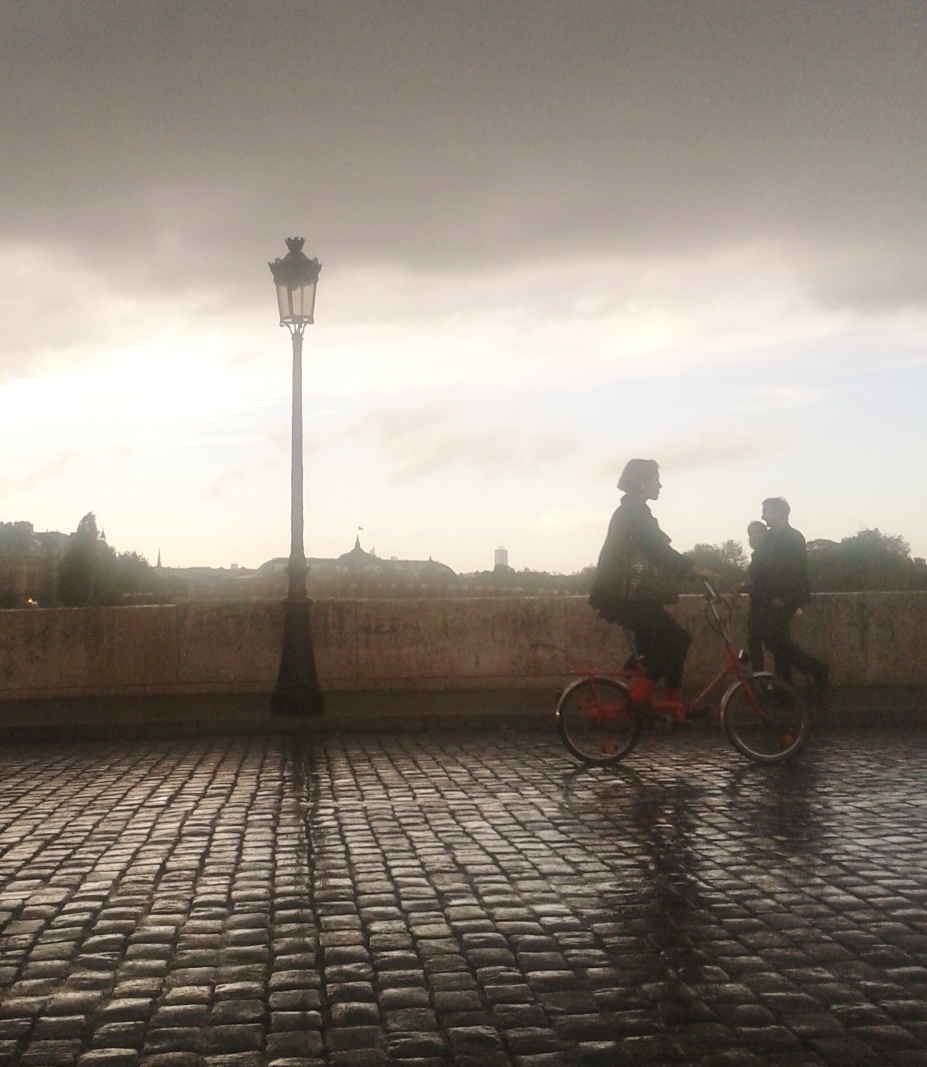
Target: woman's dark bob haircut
x=636 y=473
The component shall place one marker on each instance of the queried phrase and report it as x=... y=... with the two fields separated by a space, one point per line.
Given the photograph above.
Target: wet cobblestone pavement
x=462 y=899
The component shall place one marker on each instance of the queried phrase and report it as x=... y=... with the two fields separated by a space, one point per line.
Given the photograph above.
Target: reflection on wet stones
x=460 y=898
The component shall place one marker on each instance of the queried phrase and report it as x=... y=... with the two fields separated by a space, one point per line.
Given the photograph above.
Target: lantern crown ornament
x=296 y=277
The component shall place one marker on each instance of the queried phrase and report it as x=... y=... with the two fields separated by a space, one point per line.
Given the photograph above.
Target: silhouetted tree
x=868 y=561
x=726 y=560
x=93 y=573
x=84 y=565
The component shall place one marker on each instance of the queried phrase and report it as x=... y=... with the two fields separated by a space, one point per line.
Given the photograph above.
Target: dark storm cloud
x=175 y=144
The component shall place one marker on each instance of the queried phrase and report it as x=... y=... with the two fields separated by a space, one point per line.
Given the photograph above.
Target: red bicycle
x=765 y=718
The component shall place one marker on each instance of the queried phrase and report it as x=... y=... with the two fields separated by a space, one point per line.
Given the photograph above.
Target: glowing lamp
x=295 y=276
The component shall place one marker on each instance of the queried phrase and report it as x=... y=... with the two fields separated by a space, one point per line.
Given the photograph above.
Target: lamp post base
x=297 y=691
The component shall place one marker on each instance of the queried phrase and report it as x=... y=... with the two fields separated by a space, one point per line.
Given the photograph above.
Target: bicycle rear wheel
x=597 y=720
x=767 y=721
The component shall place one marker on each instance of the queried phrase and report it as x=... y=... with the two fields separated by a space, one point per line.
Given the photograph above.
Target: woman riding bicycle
x=637 y=573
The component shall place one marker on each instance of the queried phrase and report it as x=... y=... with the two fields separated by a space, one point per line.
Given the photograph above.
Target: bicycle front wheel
x=597 y=720
x=767 y=720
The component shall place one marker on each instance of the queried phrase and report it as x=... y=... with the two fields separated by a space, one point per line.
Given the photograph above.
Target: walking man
x=780 y=586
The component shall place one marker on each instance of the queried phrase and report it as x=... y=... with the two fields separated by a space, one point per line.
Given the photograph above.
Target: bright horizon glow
x=514 y=427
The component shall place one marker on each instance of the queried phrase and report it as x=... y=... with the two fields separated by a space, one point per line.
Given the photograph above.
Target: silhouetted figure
x=779 y=587
x=637 y=573
x=757 y=533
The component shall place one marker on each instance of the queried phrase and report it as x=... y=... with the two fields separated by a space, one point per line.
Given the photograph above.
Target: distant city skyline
x=500 y=555
x=553 y=237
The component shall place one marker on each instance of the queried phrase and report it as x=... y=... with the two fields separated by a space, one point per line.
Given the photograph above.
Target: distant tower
x=502 y=556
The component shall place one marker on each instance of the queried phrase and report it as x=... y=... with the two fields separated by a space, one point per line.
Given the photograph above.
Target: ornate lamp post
x=297 y=691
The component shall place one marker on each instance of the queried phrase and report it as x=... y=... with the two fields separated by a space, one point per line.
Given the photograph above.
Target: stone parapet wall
x=870 y=639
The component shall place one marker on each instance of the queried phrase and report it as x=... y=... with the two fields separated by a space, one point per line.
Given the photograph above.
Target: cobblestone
x=459 y=899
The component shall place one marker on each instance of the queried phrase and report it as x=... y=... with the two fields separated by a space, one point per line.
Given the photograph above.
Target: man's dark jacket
x=779 y=569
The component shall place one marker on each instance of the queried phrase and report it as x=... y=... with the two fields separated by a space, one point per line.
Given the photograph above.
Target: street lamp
x=297 y=691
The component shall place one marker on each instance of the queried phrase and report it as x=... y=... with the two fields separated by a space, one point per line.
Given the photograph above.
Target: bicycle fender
x=728 y=693
x=566 y=692
x=586 y=678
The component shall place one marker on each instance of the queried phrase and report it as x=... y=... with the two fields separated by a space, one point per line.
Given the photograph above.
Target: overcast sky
x=553 y=236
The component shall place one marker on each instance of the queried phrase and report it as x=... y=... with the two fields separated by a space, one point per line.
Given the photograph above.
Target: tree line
x=869 y=561
x=91 y=572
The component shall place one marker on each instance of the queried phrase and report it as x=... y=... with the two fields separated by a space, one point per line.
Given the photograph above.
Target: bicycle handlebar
x=714 y=598
x=712 y=594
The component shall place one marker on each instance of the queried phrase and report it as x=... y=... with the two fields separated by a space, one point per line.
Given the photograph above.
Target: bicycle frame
x=732 y=668
x=600 y=724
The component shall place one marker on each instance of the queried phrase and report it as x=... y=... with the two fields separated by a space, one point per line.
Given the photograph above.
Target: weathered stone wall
x=870 y=639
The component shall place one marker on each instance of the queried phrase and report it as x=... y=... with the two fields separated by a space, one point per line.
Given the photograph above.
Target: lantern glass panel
x=296 y=303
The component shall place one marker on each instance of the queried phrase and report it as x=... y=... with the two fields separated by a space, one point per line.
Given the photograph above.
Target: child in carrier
x=757 y=532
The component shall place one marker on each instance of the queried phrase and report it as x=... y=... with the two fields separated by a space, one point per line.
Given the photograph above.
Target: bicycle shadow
x=778 y=806
x=695 y=846
x=651 y=819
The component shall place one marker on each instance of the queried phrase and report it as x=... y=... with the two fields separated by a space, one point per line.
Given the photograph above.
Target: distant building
x=502 y=556
x=363 y=574
x=29 y=565
x=206 y=583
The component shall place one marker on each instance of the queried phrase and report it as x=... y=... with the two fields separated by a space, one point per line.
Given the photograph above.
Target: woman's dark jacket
x=636 y=563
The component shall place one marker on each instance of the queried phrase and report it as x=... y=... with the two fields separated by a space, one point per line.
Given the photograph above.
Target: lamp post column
x=296 y=570
x=297 y=691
